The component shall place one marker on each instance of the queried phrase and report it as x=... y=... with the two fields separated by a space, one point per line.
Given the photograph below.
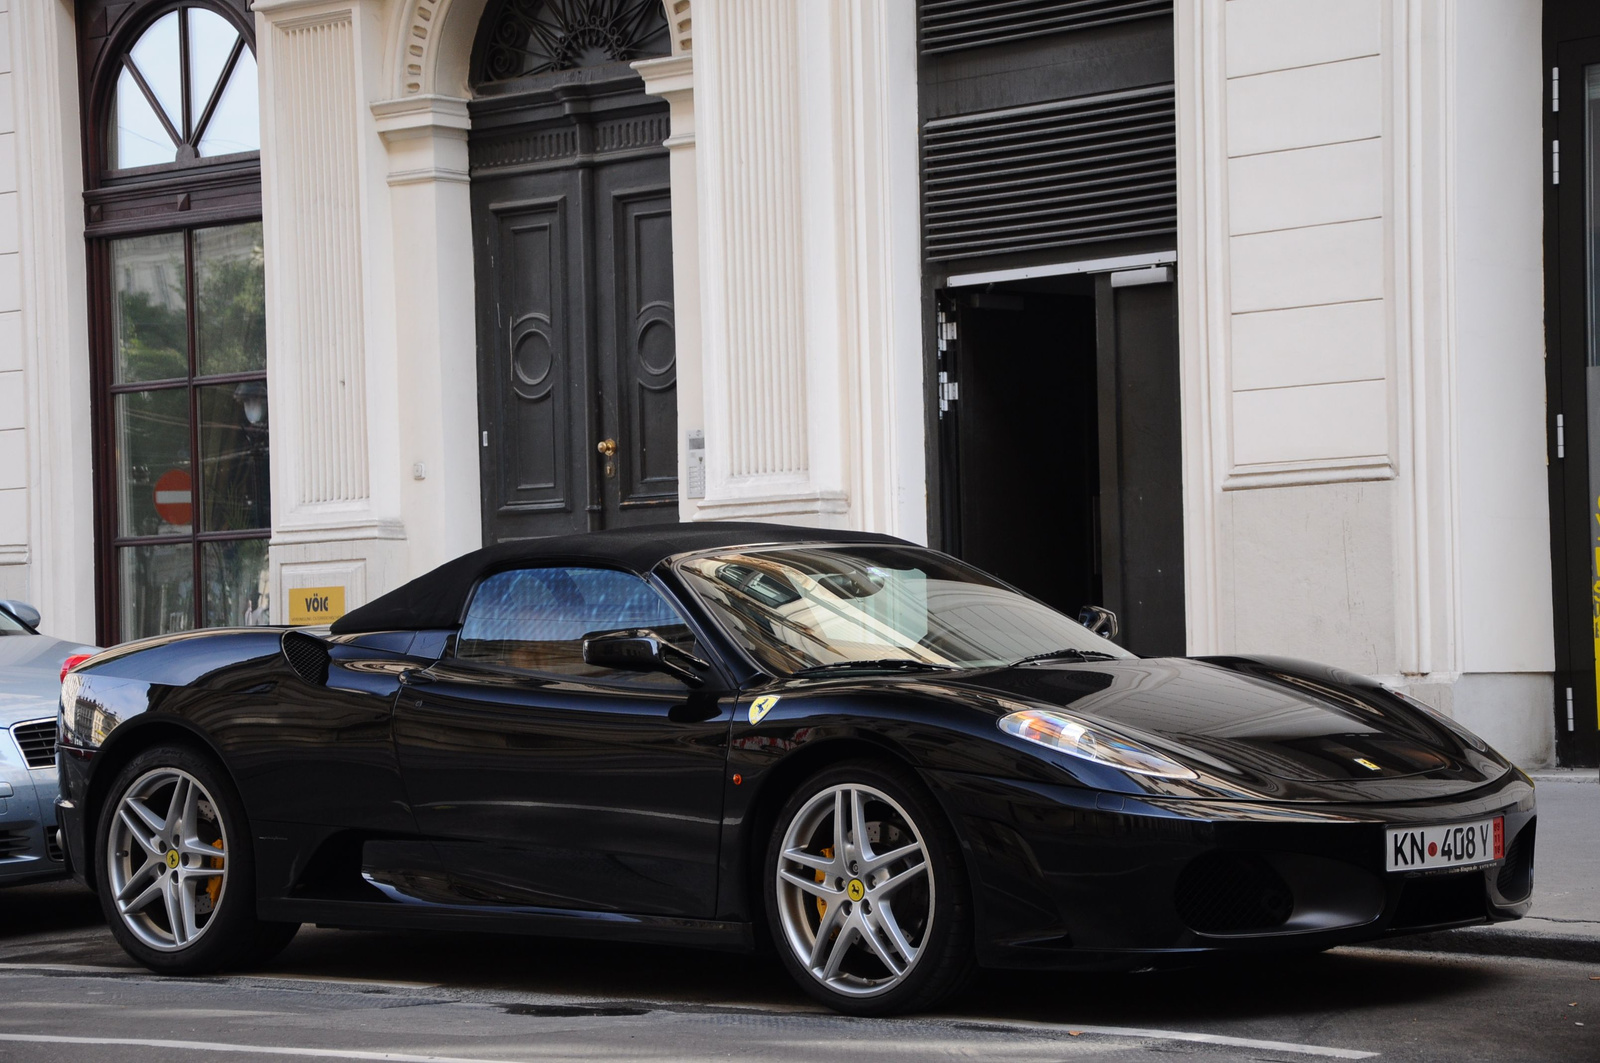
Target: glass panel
x=230 y=300
x=236 y=582
x=1591 y=125
x=211 y=40
x=156 y=55
x=157 y=589
x=235 y=494
x=536 y=618
x=155 y=495
x=236 y=123
x=149 y=308
x=137 y=135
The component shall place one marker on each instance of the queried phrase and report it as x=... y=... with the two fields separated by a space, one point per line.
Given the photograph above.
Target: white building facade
x=1275 y=376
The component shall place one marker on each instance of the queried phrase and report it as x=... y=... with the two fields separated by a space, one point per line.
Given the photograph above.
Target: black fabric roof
x=436 y=599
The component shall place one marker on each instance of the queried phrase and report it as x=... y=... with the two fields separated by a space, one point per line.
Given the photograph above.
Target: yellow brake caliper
x=214 y=886
x=822 y=876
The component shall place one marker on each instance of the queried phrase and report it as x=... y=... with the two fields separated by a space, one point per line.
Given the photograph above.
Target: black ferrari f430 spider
x=881 y=763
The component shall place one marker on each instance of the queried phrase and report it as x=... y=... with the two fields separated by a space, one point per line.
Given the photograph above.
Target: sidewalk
x=1564 y=923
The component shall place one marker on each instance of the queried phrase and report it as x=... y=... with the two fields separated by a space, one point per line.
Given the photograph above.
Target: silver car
x=30 y=688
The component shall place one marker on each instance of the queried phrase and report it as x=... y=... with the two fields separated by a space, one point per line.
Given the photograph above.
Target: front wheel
x=176 y=874
x=865 y=892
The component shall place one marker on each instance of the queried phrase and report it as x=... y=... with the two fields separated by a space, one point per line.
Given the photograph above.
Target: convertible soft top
x=436 y=599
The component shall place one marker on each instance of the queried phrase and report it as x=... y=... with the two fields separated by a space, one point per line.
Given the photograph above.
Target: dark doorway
x=572 y=234
x=1060 y=447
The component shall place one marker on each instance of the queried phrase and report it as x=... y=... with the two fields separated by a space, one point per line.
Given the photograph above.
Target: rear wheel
x=866 y=895
x=176 y=872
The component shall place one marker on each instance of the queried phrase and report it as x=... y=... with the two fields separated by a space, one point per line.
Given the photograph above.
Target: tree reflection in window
x=187 y=91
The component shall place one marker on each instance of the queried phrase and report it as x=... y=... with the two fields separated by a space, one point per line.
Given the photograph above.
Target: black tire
x=232 y=936
x=944 y=960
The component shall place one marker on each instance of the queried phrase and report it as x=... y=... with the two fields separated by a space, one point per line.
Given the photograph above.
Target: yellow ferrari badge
x=172 y=858
x=761 y=706
x=856 y=889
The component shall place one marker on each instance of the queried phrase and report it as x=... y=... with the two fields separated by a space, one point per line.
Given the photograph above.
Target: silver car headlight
x=1065 y=734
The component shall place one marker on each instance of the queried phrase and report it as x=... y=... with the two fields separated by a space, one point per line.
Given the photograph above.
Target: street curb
x=1491 y=943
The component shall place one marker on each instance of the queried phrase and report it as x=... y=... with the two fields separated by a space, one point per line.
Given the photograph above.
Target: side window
x=536 y=618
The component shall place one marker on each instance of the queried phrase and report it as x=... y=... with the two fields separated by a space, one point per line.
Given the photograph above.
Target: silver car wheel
x=167 y=854
x=854 y=891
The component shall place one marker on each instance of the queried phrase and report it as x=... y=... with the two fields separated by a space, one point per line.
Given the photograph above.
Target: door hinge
x=486 y=438
x=1570 y=722
x=947 y=331
x=1555 y=89
x=949 y=391
x=1561 y=436
x=1555 y=162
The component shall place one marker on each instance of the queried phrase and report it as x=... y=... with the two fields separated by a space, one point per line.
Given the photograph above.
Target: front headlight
x=1061 y=732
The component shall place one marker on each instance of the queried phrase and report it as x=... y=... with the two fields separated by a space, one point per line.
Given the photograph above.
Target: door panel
x=576 y=332
x=563 y=793
x=640 y=375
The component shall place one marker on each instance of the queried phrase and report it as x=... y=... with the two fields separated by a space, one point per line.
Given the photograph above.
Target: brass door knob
x=608 y=447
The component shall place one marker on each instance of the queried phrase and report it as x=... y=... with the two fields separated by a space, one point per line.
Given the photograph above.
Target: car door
x=542 y=781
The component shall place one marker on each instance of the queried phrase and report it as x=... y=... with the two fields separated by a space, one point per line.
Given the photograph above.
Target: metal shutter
x=1057 y=174
x=951 y=25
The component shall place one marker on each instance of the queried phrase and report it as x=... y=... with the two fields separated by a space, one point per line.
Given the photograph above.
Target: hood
x=1262 y=726
x=30 y=675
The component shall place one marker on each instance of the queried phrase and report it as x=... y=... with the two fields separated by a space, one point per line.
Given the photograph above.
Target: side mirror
x=1100 y=620
x=24 y=612
x=642 y=650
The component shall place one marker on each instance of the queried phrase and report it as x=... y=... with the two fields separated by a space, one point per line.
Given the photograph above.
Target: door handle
x=608 y=447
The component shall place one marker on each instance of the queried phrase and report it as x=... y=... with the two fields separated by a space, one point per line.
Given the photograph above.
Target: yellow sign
x=315 y=605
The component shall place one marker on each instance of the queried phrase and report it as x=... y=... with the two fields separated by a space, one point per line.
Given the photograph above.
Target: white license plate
x=1448 y=845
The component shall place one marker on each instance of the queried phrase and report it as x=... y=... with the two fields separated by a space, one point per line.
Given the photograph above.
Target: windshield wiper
x=1071 y=652
x=900 y=664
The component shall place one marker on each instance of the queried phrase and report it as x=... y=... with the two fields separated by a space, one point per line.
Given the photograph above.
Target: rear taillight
x=72 y=662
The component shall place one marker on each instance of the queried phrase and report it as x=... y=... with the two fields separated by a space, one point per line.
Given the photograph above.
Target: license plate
x=1449 y=845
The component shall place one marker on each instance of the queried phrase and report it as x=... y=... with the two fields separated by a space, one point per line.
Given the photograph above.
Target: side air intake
x=307 y=655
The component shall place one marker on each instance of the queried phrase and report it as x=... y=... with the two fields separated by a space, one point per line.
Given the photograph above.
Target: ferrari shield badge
x=761 y=706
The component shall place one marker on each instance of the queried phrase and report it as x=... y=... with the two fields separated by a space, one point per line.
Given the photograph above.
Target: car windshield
x=804 y=608
x=10 y=626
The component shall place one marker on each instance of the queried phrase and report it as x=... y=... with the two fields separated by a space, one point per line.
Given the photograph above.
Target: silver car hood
x=30 y=675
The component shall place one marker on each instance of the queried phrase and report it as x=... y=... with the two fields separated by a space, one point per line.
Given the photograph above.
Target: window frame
x=180 y=197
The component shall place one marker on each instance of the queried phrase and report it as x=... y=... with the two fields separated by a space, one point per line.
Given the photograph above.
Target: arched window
x=178 y=315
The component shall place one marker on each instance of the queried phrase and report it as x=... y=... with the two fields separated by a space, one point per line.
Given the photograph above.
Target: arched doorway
x=572 y=238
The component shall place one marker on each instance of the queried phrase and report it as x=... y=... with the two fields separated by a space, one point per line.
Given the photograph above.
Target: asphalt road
x=68 y=993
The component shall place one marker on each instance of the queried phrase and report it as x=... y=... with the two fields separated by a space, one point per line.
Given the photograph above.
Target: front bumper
x=28 y=849
x=1065 y=877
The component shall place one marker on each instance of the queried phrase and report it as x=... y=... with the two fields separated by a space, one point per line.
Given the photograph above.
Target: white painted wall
x=13 y=421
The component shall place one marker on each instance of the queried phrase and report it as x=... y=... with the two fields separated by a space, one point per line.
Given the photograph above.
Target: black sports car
x=891 y=766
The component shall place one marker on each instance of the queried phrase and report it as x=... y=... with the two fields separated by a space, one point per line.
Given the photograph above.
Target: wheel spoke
x=895 y=881
x=858 y=825
x=169 y=894
x=153 y=823
x=192 y=846
x=175 y=806
x=870 y=936
x=811 y=886
x=137 y=830
x=882 y=860
x=825 y=929
x=883 y=916
x=151 y=892
x=838 y=825
x=186 y=907
x=841 y=948
x=811 y=860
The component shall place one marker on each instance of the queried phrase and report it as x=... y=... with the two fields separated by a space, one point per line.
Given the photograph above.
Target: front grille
x=951 y=25
x=1232 y=893
x=1515 y=880
x=1438 y=899
x=1078 y=171
x=37 y=740
x=13 y=843
x=308 y=656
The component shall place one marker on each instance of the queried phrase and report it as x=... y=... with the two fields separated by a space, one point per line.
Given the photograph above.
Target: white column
x=44 y=332
x=330 y=328
x=435 y=326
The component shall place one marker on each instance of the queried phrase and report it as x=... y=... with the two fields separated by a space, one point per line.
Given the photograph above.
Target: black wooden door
x=577 y=370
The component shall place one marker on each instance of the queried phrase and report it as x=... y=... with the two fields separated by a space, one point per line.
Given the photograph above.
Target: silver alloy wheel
x=854 y=891
x=167 y=853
